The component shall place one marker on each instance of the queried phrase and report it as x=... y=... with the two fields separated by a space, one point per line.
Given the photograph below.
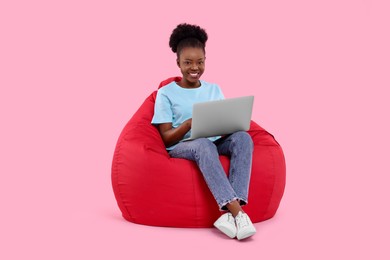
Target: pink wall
x=73 y=72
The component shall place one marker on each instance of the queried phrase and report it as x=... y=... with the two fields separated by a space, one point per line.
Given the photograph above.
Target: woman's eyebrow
x=191 y=59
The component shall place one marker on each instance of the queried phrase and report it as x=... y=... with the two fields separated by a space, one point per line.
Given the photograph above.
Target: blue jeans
x=239 y=147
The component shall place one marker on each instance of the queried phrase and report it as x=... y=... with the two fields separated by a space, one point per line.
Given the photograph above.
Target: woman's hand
x=189 y=123
x=170 y=135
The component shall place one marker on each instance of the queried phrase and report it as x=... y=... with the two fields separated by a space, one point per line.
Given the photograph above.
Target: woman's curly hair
x=187 y=35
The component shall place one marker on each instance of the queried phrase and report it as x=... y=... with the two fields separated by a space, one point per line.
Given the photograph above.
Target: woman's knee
x=240 y=142
x=204 y=144
x=203 y=148
x=242 y=137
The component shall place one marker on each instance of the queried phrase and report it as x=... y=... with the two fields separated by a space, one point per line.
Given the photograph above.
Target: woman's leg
x=234 y=207
x=239 y=146
x=205 y=154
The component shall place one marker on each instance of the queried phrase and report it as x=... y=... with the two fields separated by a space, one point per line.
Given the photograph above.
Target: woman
x=172 y=116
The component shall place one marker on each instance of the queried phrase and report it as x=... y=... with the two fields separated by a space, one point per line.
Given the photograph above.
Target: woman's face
x=191 y=62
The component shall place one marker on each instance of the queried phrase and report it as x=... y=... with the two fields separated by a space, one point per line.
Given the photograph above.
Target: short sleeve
x=220 y=93
x=162 y=109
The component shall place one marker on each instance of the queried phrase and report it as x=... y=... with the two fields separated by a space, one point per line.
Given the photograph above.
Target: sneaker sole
x=226 y=231
x=249 y=234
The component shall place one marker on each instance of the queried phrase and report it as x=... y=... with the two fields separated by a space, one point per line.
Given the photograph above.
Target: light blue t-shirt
x=174 y=103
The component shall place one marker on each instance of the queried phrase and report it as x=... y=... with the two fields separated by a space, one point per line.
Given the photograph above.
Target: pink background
x=72 y=73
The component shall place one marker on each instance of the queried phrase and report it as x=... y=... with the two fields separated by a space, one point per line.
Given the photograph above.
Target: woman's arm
x=170 y=135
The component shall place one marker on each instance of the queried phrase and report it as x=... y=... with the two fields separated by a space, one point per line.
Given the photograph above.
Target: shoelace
x=242 y=221
x=231 y=218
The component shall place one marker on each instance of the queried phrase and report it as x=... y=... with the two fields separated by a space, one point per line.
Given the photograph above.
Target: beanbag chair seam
x=116 y=173
x=273 y=178
x=195 y=195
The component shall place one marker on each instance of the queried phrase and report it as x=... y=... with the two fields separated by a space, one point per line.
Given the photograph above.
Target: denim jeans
x=239 y=147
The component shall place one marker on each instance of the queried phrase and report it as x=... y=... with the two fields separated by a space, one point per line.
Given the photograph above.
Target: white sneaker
x=226 y=225
x=245 y=226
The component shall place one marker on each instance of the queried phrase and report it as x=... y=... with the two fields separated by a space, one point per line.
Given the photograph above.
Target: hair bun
x=183 y=31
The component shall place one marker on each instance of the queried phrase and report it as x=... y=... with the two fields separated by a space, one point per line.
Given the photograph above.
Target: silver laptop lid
x=221 y=117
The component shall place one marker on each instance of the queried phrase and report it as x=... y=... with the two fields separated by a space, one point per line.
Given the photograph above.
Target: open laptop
x=221 y=117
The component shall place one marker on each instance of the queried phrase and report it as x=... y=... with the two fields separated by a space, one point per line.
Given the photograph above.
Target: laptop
x=221 y=117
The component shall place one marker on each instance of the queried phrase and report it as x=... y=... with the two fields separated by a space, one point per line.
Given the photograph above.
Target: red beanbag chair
x=152 y=188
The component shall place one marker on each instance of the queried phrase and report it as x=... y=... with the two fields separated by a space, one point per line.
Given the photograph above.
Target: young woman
x=172 y=116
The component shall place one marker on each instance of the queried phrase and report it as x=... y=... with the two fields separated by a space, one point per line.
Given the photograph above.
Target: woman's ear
x=178 y=62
